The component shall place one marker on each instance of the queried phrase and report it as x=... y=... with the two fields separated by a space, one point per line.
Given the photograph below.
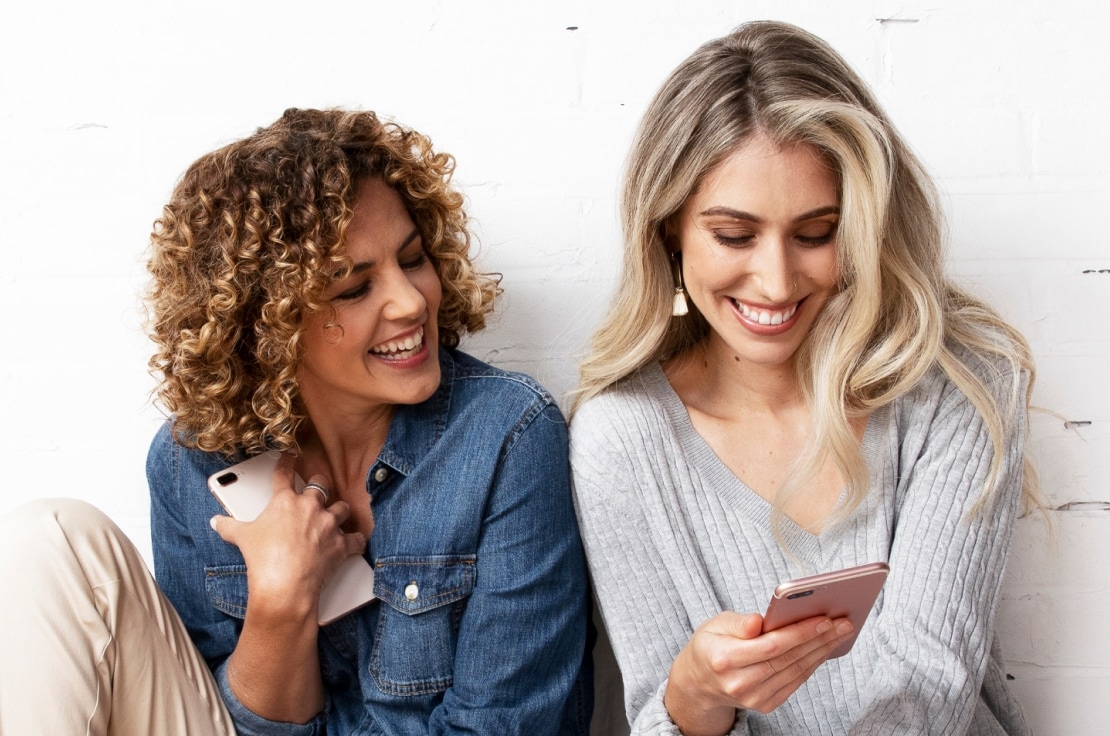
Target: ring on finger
x=318 y=487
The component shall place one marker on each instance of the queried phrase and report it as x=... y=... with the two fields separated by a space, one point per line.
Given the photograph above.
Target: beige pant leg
x=88 y=643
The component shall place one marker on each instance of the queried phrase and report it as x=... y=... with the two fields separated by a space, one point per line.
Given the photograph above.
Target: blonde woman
x=787 y=384
x=309 y=287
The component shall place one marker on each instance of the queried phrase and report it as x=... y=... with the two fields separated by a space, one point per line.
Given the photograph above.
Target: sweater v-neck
x=733 y=490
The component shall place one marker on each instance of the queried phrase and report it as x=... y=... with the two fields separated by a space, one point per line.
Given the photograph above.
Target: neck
x=343 y=444
x=710 y=378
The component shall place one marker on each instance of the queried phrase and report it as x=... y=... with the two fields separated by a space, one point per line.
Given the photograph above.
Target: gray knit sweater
x=673 y=538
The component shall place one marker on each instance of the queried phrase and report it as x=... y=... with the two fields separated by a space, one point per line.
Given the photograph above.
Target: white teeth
x=401 y=349
x=766 y=317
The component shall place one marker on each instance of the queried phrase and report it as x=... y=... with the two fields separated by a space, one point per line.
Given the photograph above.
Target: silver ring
x=317 y=487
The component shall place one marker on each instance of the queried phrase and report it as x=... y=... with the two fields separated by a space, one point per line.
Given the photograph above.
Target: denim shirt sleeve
x=249 y=723
x=523 y=634
x=185 y=547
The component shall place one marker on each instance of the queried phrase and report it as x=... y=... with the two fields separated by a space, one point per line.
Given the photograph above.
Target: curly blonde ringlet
x=243 y=251
x=895 y=314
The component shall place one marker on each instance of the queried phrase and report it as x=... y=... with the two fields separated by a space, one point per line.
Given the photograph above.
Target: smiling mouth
x=401 y=349
x=770 y=317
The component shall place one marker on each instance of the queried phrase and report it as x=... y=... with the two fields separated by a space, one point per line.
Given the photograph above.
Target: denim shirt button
x=412 y=591
x=381 y=474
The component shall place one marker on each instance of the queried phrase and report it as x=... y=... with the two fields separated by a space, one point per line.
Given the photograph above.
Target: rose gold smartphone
x=245 y=489
x=848 y=593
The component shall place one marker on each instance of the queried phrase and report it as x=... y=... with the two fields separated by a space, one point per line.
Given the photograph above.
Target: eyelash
x=738 y=242
x=355 y=293
x=744 y=240
x=413 y=264
x=819 y=240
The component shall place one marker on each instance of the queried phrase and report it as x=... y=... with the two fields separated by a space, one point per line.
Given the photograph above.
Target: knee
x=44 y=522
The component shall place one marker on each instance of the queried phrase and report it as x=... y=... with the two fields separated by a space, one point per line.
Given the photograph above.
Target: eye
x=733 y=238
x=812 y=237
x=361 y=290
x=415 y=262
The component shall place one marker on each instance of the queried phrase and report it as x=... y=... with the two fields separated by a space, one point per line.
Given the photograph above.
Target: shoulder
x=631 y=427
x=472 y=375
x=1003 y=379
x=171 y=465
x=492 y=397
x=940 y=407
x=638 y=400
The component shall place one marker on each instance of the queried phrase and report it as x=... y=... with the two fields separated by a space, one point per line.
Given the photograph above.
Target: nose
x=403 y=300
x=773 y=267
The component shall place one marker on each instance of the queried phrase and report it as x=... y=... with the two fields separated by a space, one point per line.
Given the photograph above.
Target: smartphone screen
x=848 y=593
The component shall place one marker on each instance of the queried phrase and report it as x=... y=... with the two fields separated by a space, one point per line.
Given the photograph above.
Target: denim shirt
x=471 y=501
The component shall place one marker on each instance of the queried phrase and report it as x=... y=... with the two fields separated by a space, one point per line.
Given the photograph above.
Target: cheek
x=708 y=269
x=827 y=269
x=431 y=288
x=312 y=334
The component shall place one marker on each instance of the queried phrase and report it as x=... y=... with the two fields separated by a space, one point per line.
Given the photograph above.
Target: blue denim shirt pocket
x=226 y=586
x=423 y=599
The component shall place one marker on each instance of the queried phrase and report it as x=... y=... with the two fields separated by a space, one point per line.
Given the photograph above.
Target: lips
x=401 y=349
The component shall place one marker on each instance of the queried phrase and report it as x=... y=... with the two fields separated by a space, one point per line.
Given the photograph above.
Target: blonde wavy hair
x=895 y=315
x=252 y=235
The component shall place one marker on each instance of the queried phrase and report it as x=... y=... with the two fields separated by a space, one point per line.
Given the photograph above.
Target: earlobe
x=668 y=233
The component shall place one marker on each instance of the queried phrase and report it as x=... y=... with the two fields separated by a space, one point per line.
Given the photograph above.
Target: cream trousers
x=88 y=643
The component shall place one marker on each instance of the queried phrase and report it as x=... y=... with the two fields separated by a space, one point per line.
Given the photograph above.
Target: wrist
x=692 y=711
x=281 y=608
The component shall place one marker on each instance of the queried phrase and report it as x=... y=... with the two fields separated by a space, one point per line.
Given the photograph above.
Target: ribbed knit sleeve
x=934 y=633
x=642 y=583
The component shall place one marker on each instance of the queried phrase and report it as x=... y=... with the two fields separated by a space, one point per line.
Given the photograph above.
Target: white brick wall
x=103 y=105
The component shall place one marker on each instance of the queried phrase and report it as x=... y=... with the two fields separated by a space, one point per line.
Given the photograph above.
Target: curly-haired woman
x=310 y=285
x=788 y=383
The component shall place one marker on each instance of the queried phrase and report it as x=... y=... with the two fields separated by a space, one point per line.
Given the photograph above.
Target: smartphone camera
x=803 y=594
x=226 y=479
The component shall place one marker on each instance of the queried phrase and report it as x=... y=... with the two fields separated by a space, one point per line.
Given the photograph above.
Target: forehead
x=380 y=224
x=762 y=173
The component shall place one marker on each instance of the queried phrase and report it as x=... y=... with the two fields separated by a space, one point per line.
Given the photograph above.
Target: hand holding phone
x=848 y=593
x=245 y=489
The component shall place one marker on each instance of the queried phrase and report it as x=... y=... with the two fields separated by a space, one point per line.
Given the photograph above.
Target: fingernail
x=212 y=523
x=824 y=626
x=844 y=627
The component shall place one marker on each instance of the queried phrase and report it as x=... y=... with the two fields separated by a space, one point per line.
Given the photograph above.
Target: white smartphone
x=848 y=593
x=245 y=489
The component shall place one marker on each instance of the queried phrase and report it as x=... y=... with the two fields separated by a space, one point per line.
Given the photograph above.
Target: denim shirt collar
x=415 y=428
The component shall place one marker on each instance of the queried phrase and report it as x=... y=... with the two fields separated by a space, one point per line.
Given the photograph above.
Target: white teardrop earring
x=679 y=307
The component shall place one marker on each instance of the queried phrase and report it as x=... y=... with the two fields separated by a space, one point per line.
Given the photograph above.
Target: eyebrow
x=741 y=215
x=367 y=265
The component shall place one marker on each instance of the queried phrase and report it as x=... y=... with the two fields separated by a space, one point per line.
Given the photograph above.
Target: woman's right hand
x=291 y=550
x=728 y=664
x=294 y=546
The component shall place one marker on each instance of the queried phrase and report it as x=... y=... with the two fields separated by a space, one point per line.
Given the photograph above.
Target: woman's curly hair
x=253 y=234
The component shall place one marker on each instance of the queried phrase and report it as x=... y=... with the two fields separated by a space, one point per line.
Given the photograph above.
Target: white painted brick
x=103 y=106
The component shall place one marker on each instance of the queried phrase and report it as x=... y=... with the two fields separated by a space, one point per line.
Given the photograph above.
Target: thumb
x=226 y=527
x=741 y=625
